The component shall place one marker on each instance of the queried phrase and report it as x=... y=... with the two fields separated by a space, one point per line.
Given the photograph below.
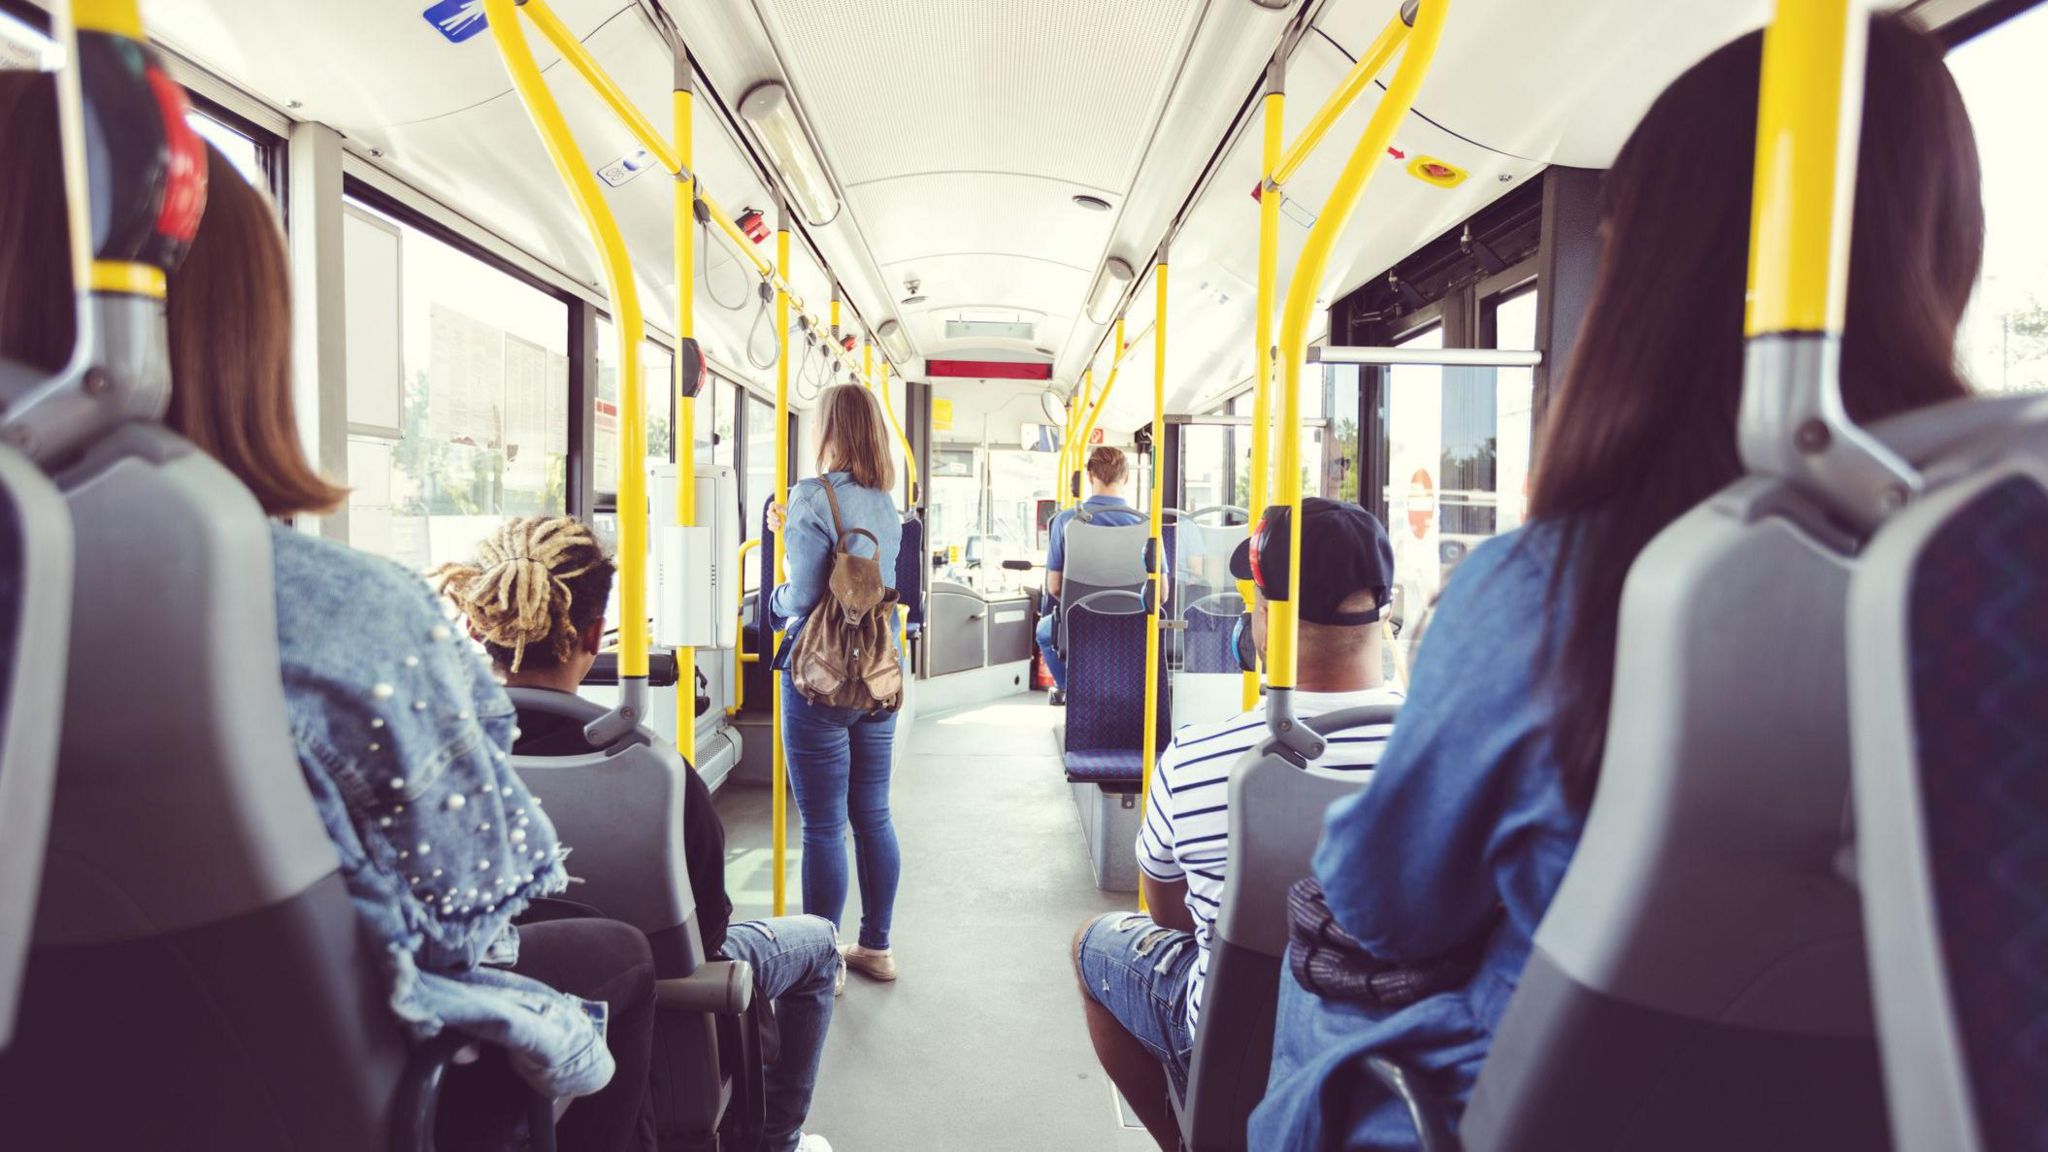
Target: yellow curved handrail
x=1283 y=616
x=1339 y=102
x=631 y=326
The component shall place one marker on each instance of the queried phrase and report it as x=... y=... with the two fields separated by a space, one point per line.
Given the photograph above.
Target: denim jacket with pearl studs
x=403 y=734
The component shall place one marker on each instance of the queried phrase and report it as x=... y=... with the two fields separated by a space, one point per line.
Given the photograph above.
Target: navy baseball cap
x=1345 y=551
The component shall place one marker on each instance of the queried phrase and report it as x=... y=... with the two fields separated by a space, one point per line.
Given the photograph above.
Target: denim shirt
x=1464 y=833
x=811 y=541
x=403 y=735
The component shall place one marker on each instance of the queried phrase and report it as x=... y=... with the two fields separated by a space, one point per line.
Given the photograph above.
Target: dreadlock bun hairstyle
x=536 y=585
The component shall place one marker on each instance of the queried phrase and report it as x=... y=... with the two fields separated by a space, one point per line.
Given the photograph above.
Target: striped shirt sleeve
x=1155 y=835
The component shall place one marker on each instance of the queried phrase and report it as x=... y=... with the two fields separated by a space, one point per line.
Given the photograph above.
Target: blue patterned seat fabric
x=1979 y=627
x=1105 y=695
x=1208 y=648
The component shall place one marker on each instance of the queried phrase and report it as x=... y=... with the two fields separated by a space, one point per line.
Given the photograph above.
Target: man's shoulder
x=1202 y=742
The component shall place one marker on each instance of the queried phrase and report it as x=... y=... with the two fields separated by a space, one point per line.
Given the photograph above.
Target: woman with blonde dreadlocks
x=535 y=598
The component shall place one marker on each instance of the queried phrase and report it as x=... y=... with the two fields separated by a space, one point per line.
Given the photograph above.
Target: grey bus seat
x=1699 y=981
x=1948 y=659
x=1100 y=558
x=1276 y=819
x=35 y=623
x=620 y=810
x=194 y=942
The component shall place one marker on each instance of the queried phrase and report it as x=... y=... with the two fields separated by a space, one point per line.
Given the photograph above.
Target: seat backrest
x=1948 y=659
x=1699 y=980
x=1276 y=819
x=35 y=624
x=621 y=810
x=1106 y=672
x=1207 y=647
x=910 y=571
x=194 y=942
x=1100 y=558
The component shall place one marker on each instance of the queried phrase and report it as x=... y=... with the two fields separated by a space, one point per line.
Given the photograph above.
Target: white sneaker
x=812 y=1142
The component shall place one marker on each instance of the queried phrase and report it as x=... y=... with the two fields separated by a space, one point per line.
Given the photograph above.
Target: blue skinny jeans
x=839 y=764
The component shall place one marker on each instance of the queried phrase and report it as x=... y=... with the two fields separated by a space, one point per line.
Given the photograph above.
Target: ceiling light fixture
x=1092 y=203
x=1109 y=288
x=768 y=107
x=895 y=341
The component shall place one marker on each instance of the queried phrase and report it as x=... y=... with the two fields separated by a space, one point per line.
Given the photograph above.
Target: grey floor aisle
x=980 y=1044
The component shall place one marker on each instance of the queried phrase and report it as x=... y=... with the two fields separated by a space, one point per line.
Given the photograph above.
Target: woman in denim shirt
x=839 y=758
x=401 y=731
x=1476 y=809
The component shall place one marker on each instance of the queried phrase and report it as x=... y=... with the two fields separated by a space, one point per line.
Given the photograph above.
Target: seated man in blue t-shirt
x=1108 y=471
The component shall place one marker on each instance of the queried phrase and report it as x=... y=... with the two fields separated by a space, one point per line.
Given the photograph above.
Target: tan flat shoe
x=876 y=964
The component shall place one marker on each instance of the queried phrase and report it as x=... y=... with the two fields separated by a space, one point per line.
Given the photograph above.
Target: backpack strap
x=839 y=532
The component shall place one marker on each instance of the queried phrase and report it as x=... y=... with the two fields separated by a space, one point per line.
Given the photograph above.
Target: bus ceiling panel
x=996 y=281
x=1562 y=81
x=1068 y=89
x=979 y=212
x=356 y=66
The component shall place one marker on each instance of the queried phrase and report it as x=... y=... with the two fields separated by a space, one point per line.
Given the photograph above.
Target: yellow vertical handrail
x=684 y=204
x=631 y=328
x=1283 y=615
x=778 y=770
x=1156 y=554
x=1269 y=277
x=739 y=654
x=1806 y=139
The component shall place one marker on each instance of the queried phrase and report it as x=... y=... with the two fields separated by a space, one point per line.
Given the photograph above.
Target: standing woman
x=839 y=758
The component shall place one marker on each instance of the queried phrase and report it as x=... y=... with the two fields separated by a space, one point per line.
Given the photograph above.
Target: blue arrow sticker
x=458 y=20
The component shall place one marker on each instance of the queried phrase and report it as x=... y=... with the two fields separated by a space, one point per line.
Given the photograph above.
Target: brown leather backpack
x=845 y=656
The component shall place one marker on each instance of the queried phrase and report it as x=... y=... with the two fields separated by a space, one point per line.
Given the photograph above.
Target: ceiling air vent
x=991 y=330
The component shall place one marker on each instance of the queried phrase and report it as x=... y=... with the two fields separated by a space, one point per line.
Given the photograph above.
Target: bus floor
x=980 y=1044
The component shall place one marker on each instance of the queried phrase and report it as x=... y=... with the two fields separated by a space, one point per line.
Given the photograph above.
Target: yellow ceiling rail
x=667 y=154
x=1339 y=102
x=1269 y=279
x=631 y=329
x=1283 y=615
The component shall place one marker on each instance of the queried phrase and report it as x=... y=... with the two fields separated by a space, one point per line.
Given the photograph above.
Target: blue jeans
x=796 y=962
x=1048 y=626
x=839 y=764
x=1140 y=972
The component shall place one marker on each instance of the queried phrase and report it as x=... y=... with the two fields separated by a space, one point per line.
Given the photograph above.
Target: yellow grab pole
x=1340 y=101
x=778 y=755
x=867 y=364
x=1283 y=616
x=685 y=196
x=1157 y=554
x=902 y=441
x=1269 y=277
x=575 y=171
x=1805 y=167
x=739 y=657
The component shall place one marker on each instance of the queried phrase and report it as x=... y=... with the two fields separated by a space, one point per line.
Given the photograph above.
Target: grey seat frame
x=1276 y=819
x=31 y=696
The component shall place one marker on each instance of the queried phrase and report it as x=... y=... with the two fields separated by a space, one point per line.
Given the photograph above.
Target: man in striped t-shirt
x=1142 y=975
